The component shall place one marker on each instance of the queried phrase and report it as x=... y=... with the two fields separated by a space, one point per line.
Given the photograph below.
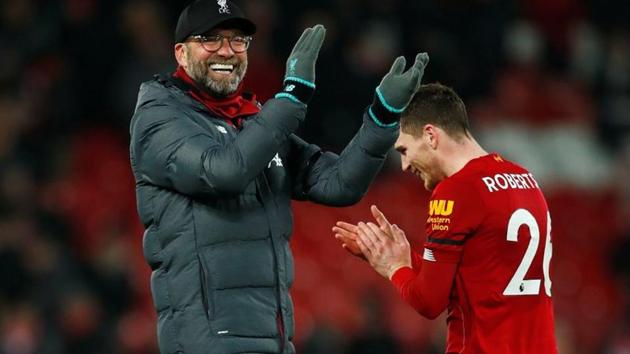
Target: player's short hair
x=439 y=105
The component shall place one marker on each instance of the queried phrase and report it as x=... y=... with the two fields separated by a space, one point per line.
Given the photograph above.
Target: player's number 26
x=518 y=285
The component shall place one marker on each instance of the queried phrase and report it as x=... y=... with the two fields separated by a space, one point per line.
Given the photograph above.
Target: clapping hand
x=384 y=246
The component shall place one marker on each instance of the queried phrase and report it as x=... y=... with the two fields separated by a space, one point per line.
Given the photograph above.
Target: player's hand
x=386 y=253
x=347 y=234
x=398 y=86
x=382 y=221
x=391 y=230
x=301 y=61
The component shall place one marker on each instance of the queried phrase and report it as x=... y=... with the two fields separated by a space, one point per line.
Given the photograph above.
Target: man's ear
x=431 y=135
x=181 y=54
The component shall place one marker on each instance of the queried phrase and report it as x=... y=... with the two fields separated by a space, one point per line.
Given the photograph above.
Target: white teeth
x=222 y=67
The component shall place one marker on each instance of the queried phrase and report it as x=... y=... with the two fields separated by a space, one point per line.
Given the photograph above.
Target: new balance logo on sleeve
x=428 y=255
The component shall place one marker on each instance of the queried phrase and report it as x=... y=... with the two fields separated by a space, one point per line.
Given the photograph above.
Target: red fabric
x=416 y=261
x=232 y=108
x=469 y=251
x=426 y=291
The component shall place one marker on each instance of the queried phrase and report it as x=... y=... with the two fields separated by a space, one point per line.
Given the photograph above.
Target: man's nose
x=404 y=164
x=225 y=50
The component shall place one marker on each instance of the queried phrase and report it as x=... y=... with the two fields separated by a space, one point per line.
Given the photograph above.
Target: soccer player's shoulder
x=464 y=182
x=460 y=188
x=500 y=174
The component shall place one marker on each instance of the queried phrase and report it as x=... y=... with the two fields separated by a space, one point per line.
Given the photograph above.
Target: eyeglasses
x=212 y=43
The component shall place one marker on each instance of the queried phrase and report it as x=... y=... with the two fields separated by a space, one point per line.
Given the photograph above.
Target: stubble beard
x=199 y=71
x=429 y=184
x=429 y=178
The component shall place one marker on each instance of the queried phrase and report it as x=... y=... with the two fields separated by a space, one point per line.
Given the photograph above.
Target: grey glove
x=301 y=61
x=396 y=89
x=299 y=79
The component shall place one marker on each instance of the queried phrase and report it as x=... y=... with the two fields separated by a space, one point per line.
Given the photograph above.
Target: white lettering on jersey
x=510 y=181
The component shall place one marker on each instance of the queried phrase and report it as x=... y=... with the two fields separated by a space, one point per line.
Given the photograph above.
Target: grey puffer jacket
x=215 y=202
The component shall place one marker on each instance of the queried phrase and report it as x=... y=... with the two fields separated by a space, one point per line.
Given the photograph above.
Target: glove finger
x=422 y=59
x=426 y=59
x=316 y=29
x=399 y=66
x=303 y=38
x=317 y=39
x=425 y=62
x=414 y=80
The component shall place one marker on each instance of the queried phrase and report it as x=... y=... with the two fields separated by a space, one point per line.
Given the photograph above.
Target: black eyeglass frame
x=218 y=38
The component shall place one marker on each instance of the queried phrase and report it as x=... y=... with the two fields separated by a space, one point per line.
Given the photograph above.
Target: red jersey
x=490 y=225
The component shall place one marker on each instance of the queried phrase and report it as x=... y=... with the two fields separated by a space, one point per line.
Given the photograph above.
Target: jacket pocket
x=246 y=312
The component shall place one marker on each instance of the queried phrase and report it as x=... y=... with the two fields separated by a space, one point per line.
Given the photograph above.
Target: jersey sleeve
x=455 y=211
x=426 y=287
x=416 y=260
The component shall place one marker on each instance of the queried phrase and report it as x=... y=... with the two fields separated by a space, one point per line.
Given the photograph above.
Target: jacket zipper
x=204 y=288
x=279 y=320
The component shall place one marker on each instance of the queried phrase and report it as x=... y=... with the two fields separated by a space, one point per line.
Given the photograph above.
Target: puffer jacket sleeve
x=343 y=179
x=171 y=151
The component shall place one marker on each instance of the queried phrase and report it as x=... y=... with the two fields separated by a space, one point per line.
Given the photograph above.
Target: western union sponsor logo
x=439 y=227
x=441 y=207
x=436 y=220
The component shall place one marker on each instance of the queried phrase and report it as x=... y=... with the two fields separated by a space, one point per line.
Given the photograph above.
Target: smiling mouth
x=224 y=69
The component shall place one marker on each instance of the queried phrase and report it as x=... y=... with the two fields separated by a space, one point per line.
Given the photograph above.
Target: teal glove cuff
x=301 y=81
x=288 y=96
x=383 y=114
x=297 y=89
x=378 y=122
x=385 y=104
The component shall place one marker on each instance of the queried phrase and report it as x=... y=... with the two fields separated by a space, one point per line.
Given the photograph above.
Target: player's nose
x=404 y=164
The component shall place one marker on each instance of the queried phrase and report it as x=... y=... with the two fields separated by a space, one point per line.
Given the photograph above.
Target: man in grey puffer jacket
x=215 y=173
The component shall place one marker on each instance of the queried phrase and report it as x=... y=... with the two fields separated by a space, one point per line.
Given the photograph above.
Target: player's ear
x=430 y=134
x=181 y=54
